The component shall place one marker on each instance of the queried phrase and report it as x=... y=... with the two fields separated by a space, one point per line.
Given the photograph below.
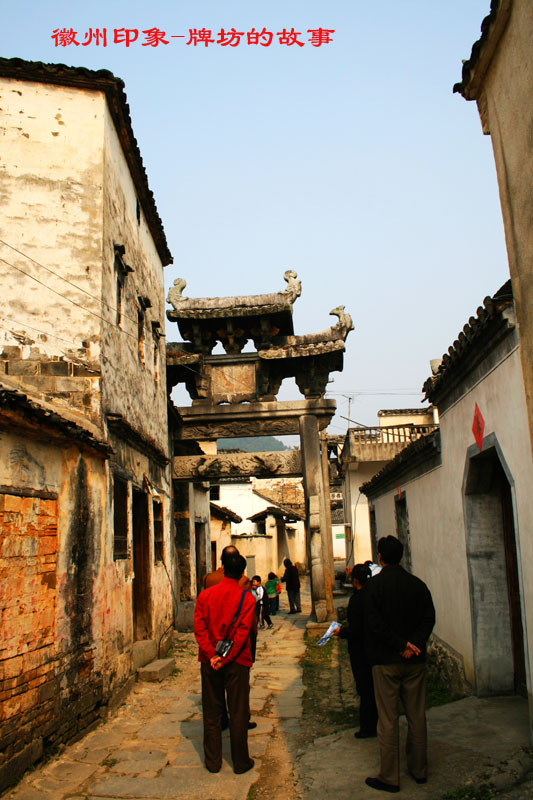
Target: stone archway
x=235 y=395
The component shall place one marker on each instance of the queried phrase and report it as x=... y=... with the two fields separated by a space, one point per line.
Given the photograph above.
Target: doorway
x=142 y=618
x=498 y=633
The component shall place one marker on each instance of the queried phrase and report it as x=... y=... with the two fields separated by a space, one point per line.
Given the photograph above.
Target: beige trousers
x=408 y=682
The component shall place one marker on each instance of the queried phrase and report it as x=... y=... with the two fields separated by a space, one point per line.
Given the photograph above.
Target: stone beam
x=204 y=421
x=224 y=465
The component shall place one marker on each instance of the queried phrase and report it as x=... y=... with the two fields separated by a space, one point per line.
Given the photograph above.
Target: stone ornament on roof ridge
x=285 y=298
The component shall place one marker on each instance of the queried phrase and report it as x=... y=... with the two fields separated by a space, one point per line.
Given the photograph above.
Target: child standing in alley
x=261 y=609
x=272 y=592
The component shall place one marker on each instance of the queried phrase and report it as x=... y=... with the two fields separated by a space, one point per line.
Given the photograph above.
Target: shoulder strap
x=235 y=618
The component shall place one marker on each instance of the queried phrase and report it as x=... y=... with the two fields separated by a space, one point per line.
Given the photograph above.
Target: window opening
x=120 y=519
x=157 y=513
x=121 y=271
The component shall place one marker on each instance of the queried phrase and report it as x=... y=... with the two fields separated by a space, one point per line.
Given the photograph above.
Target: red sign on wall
x=478 y=426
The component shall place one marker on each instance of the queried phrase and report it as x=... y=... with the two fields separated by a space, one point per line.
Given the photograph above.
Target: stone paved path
x=151 y=748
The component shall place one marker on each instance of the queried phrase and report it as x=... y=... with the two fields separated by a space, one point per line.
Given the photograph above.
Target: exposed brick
x=12 y=667
x=54 y=368
x=11 y=351
x=47 y=545
x=28 y=505
x=48 y=508
x=12 y=503
x=11 y=770
x=23 y=367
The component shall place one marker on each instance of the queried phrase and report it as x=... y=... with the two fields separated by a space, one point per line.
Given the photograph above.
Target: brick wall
x=28 y=568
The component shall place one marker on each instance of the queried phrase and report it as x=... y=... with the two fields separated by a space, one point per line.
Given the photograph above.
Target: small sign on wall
x=478 y=427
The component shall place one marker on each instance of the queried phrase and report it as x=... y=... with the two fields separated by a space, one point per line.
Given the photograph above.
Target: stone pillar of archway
x=321 y=587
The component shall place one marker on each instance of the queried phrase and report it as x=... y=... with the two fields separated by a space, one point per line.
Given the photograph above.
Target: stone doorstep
x=157 y=670
x=143 y=652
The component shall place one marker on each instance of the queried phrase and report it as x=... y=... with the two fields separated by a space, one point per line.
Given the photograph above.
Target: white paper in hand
x=328 y=634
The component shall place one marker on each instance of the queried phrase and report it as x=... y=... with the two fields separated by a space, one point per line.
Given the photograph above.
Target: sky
x=351 y=163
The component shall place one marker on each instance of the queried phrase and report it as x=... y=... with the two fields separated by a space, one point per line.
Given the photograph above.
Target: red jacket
x=213 y=615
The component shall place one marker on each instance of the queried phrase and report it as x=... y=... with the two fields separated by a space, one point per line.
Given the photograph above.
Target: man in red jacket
x=214 y=620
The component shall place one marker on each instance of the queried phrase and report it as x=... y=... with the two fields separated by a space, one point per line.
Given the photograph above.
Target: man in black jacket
x=399 y=617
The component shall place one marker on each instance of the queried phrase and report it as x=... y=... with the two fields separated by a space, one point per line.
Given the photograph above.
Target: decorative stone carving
x=224 y=465
x=175 y=293
x=294 y=286
x=203 y=421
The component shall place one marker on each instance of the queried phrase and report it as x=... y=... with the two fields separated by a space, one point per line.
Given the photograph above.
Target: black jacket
x=398 y=609
x=291 y=579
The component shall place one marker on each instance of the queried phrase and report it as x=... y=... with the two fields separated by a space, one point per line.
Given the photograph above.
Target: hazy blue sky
x=352 y=163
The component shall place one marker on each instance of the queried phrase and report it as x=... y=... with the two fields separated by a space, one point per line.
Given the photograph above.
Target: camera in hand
x=223 y=647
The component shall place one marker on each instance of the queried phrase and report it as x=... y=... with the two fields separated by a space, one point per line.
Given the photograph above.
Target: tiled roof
x=418 y=451
x=221 y=512
x=388 y=412
x=17 y=406
x=104 y=81
x=496 y=7
x=287 y=511
x=489 y=320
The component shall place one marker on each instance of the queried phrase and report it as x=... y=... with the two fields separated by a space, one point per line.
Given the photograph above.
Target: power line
x=58 y=275
x=369 y=392
x=53 y=335
x=64 y=297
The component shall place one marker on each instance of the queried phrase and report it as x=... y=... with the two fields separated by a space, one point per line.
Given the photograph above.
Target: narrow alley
x=151 y=747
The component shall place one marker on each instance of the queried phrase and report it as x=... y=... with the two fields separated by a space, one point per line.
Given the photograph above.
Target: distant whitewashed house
x=365 y=453
x=264 y=529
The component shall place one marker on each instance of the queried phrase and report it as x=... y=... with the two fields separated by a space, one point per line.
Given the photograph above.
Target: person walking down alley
x=291 y=579
x=223 y=618
x=361 y=669
x=398 y=616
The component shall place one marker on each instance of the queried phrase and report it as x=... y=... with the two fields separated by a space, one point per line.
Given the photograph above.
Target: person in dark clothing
x=398 y=616
x=362 y=671
x=291 y=579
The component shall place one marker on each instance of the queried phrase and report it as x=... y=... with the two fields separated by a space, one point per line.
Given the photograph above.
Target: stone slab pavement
x=151 y=748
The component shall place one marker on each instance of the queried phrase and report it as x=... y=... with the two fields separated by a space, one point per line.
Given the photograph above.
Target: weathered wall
x=220 y=536
x=260 y=548
x=51 y=662
x=506 y=113
x=437 y=514
x=133 y=367
x=193 y=538
x=68 y=199
x=51 y=177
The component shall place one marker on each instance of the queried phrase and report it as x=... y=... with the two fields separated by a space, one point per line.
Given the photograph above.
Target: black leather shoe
x=246 y=769
x=363 y=735
x=252 y=725
x=375 y=783
x=417 y=780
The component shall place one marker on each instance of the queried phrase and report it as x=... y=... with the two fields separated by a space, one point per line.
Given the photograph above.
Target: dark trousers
x=273 y=605
x=294 y=599
x=233 y=679
x=368 y=713
x=408 y=682
x=261 y=613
